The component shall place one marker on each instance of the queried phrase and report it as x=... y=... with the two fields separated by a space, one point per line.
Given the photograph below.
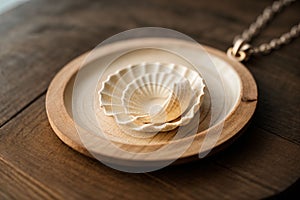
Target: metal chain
x=242 y=50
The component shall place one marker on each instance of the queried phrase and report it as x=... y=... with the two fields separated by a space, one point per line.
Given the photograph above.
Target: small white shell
x=126 y=95
x=157 y=98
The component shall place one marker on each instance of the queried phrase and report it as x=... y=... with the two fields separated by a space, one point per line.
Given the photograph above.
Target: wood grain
x=39 y=37
x=16 y=184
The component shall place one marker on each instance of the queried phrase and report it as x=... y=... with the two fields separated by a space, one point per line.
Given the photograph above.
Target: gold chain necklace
x=242 y=50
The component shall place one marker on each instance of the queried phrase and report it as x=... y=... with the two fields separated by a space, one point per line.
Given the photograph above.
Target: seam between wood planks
x=282 y=137
x=227 y=168
x=32 y=180
x=246 y=177
x=23 y=108
x=184 y=195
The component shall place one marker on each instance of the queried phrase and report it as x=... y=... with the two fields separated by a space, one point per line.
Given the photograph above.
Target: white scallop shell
x=176 y=88
x=157 y=98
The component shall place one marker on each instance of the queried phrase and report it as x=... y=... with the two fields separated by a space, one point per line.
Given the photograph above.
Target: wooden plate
x=74 y=114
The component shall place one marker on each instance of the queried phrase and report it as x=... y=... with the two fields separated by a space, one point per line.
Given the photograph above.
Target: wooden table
x=39 y=37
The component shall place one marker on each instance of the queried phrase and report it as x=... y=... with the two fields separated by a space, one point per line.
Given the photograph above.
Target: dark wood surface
x=39 y=37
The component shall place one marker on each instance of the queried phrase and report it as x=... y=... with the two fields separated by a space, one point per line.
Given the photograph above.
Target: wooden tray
x=74 y=114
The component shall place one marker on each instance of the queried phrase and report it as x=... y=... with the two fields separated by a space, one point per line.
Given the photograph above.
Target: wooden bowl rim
x=57 y=112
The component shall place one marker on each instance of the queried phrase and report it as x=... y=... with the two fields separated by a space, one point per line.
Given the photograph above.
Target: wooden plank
x=15 y=184
x=258 y=157
x=34 y=48
x=263 y=157
x=29 y=144
x=279 y=87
